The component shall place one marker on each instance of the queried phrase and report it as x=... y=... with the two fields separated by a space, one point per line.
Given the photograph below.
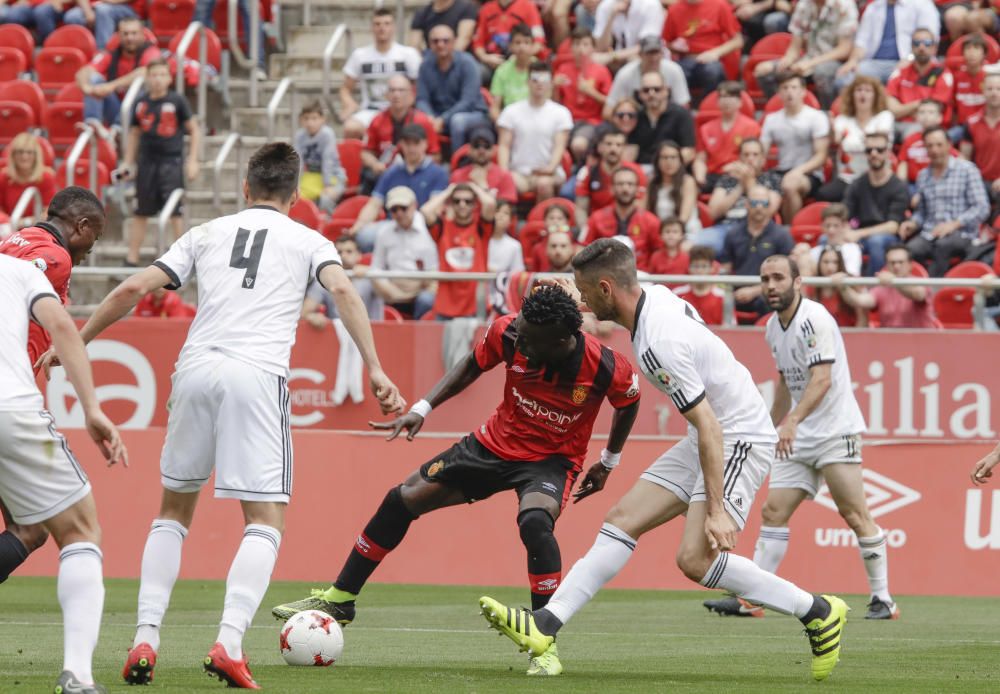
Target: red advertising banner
x=911 y=385
x=944 y=534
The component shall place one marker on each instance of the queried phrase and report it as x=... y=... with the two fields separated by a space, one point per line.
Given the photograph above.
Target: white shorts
x=233 y=417
x=365 y=116
x=803 y=469
x=39 y=477
x=747 y=464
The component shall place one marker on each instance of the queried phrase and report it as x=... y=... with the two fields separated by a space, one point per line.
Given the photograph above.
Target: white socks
x=248 y=579
x=741 y=576
x=611 y=551
x=161 y=562
x=874 y=553
x=772 y=543
x=81 y=595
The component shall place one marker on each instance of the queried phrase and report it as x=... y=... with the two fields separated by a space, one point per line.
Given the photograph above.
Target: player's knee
x=31 y=536
x=857 y=519
x=619 y=518
x=535 y=525
x=773 y=515
x=692 y=563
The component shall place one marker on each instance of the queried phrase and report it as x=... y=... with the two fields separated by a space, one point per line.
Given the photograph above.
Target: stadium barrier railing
x=195 y=29
x=30 y=196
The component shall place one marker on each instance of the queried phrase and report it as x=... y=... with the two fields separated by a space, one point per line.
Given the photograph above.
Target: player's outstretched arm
x=719 y=527
x=597 y=475
x=354 y=315
x=461 y=376
x=67 y=344
x=984 y=468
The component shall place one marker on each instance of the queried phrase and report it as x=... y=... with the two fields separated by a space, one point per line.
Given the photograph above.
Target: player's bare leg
x=847 y=489
x=17 y=542
x=80 y=588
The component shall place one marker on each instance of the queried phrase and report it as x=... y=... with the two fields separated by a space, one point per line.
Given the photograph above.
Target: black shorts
x=815 y=181
x=478 y=473
x=154 y=182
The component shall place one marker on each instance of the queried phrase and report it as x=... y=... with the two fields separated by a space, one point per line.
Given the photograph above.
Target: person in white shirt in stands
x=229 y=401
x=836 y=226
x=621 y=24
x=819 y=435
x=802 y=135
x=504 y=253
x=651 y=59
x=40 y=479
x=533 y=137
x=370 y=67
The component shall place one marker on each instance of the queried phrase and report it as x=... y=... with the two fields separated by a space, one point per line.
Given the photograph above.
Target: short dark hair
x=788 y=76
x=881 y=134
x=521 y=29
x=273 y=172
x=384 y=12
x=126 y=20
x=705 y=253
x=157 y=62
x=547 y=305
x=313 y=107
x=626 y=169
x=974 y=40
x=751 y=141
x=609 y=257
x=71 y=203
x=730 y=88
x=793 y=267
x=606 y=130
x=835 y=209
x=463 y=188
x=899 y=247
x=671 y=221
x=932 y=130
x=580 y=33
x=539 y=66
x=346 y=239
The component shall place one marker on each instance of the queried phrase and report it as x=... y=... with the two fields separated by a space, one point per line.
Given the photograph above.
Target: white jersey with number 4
x=812 y=338
x=252 y=269
x=683 y=358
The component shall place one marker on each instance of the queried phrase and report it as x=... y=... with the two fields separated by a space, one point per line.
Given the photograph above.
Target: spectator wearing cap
x=448 y=88
x=533 y=137
x=385 y=128
x=651 y=58
x=415 y=171
x=403 y=244
x=706 y=34
x=952 y=204
x=483 y=170
x=661 y=120
x=620 y=25
x=582 y=86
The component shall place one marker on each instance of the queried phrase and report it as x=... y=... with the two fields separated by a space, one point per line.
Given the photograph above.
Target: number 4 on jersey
x=240 y=261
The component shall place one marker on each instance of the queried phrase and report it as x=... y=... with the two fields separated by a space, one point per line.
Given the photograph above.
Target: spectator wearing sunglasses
x=924 y=78
x=883 y=37
x=652 y=58
x=661 y=120
x=482 y=168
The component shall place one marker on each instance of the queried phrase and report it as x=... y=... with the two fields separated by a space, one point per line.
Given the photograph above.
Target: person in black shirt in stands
x=659 y=120
x=460 y=15
x=876 y=203
x=156 y=142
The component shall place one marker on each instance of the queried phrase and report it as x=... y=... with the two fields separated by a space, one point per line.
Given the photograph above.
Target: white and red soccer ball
x=311 y=638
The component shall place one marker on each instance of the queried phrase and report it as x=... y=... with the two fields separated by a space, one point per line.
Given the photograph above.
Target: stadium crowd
x=705 y=134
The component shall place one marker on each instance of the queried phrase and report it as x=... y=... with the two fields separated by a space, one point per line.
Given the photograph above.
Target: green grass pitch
x=432 y=639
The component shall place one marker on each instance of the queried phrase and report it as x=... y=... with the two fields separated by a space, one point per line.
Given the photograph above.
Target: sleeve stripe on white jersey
x=807 y=328
x=175 y=281
x=31 y=306
x=323 y=265
x=691 y=405
x=817 y=360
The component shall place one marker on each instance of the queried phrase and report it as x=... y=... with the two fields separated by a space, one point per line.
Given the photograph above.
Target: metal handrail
x=233 y=140
x=272 y=107
x=87 y=136
x=30 y=194
x=176 y=196
x=128 y=103
x=195 y=29
x=247 y=62
x=331 y=46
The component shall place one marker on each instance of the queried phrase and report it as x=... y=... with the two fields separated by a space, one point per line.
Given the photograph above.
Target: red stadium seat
x=392 y=315
x=48 y=153
x=12 y=63
x=970 y=269
x=709 y=108
x=704 y=216
x=763 y=319
x=350 y=159
x=15 y=118
x=72 y=36
x=305 y=212
x=772 y=45
x=81 y=175
x=953 y=58
x=58 y=66
x=170 y=18
x=953 y=306
x=213 y=48
x=345 y=215
x=60 y=121
x=16 y=36
x=807 y=224
x=537 y=213
x=750 y=80
x=70 y=93
x=29 y=94
x=774 y=103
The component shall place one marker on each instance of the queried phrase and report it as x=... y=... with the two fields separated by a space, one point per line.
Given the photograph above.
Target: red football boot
x=139 y=665
x=235 y=673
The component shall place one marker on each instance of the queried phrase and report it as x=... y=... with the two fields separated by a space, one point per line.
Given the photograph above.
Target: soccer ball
x=311 y=638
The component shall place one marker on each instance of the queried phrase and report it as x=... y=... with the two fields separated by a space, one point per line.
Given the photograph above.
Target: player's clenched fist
x=386 y=392
x=984 y=468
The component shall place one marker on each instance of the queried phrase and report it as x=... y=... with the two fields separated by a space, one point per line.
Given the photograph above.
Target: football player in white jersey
x=40 y=480
x=712 y=475
x=229 y=404
x=819 y=435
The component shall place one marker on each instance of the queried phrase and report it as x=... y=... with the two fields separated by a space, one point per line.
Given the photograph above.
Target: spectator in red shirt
x=982 y=137
x=460 y=220
x=582 y=86
x=705 y=34
x=105 y=80
x=704 y=296
x=160 y=303
x=670 y=259
x=627 y=218
x=719 y=139
x=483 y=170
x=25 y=169
x=496 y=19
x=925 y=78
x=383 y=131
x=969 y=97
x=593 y=183
x=898 y=307
x=535 y=245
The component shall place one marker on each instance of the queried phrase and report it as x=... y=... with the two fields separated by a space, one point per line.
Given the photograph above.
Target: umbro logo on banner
x=884 y=495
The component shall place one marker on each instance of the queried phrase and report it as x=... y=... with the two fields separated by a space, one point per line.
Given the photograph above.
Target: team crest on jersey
x=40 y=264
x=634 y=388
x=670 y=384
x=435 y=468
x=579 y=395
x=811 y=341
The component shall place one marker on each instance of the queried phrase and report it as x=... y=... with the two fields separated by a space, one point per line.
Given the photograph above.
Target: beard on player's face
x=780 y=300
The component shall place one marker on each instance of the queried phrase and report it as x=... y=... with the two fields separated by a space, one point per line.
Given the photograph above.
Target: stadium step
x=311 y=40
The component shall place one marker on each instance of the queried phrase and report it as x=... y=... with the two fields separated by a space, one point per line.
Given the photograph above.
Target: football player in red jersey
x=535 y=443
x=75 y=223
